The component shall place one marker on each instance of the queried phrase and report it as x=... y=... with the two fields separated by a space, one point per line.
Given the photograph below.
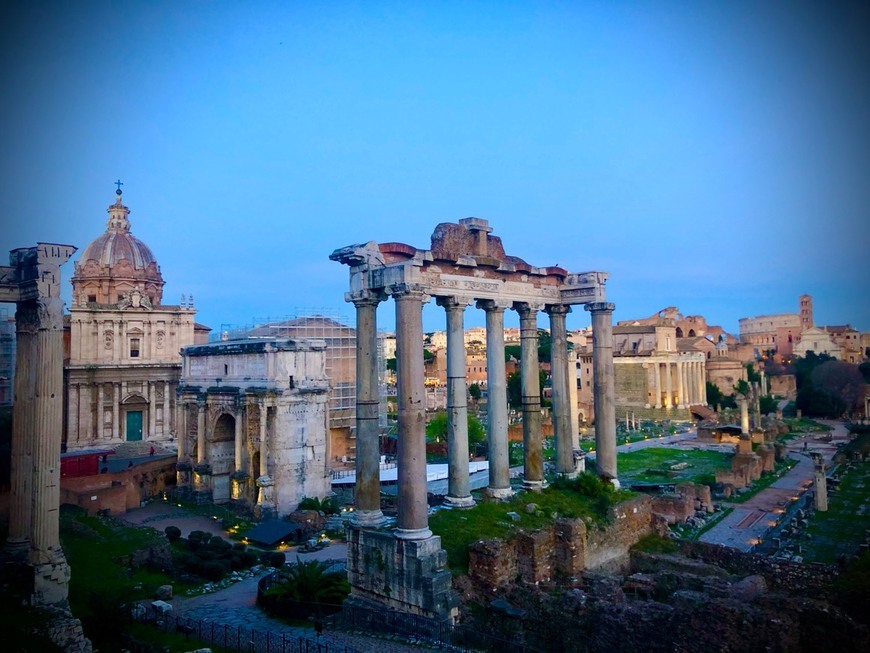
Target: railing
x=247 y=640
x=344 y=473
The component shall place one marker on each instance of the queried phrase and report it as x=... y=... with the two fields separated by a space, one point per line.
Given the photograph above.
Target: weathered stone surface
x=749 y=589
x=164 y=593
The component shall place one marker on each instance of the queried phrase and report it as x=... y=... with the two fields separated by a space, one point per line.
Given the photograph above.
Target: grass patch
x=98 y=551
x=662 y=464
x=767 y=479
x=459 y=529
x=655 y=544
x=842 y=528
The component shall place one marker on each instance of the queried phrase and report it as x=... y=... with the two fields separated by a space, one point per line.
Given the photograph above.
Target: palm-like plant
x=298 y=589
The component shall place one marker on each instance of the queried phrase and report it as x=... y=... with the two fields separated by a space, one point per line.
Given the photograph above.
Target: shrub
x=173 y=533
x=199 y=536
x=273 y=558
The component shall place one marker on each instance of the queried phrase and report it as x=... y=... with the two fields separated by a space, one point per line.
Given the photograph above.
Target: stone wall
x=565 y=549
x=781 y=574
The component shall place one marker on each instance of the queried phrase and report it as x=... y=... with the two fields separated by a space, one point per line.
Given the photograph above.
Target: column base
x=534 y=486
x=369 y=519
x=51 y=579
x=16 y=549
x=413 y=533
x=459 y=502
x=498 y=492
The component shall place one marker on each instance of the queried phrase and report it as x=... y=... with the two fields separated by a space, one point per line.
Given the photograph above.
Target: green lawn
x=656 y=465
x=842 y=528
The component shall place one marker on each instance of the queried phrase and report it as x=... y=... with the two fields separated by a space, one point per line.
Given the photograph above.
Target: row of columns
x=412 y=521
x=686 y=377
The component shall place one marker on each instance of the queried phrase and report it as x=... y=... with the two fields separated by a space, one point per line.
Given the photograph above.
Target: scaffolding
x=320 y=324
x=7 y=357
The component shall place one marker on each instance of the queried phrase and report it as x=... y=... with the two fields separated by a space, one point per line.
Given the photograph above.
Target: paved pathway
x=750 y=521
x=234 y=608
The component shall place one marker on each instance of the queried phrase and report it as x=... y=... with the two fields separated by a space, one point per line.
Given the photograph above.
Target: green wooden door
x=134 y=425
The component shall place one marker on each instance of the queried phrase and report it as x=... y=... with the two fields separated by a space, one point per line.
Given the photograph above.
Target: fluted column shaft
x=458 y=482
x=604 y=390
x=48 y=428
x=533 y=441
x=496 y=402
x=181 y=429
x=559 y=371
x=413 y=510
x=23 y=429
x=367 y=493
x=702 y=383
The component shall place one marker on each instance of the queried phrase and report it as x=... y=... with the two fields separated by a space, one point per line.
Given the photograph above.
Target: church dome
x=116 y=263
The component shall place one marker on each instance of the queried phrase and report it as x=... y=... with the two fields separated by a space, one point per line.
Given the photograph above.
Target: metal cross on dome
x=119 y=183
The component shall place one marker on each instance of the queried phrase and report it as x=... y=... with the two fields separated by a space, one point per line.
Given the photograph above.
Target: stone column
x=116 y=411
x=658 y=384
x=702 y=383
x=604 y=392
x=669 y=386
x=166 y=426
x=820 y=482
x=744 y=415
x=265 y=501
x=73 y=414
x=181 y=429
x=200 y=434
x=239 y=440
x=559 y=371
x=152 y=410
x=23 y=429
x=496 y=401
x=367 y=493
x=458 y=483
x=100 y=423
x=413 y=510
x=533 y=441
x=681 y=396
x=264 y=445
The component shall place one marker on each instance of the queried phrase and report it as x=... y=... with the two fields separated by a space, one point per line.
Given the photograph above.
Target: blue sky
x=713 y=156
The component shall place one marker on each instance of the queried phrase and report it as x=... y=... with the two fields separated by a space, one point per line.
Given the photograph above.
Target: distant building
x=777 y=333
x=820 y=341
x=123 y=363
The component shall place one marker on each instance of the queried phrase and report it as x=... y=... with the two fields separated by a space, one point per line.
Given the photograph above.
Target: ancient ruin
x=465 y=266
x=252 y=416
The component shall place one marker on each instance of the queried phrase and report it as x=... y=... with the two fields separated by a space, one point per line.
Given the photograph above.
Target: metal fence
x=247 y=640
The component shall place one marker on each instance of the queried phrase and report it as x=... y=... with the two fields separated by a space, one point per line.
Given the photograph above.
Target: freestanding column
x=413 y=510
x=669 y=386
x=658 y=383
x=681 y=396
x=744 y=415
x=603 y=390
x=458 y=483
x=496 y=402
x=367 y=493
x=533 y=441
x=23 y=428
x=559 y=371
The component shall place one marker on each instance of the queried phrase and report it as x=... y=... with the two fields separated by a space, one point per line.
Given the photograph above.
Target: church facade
x=123 y=344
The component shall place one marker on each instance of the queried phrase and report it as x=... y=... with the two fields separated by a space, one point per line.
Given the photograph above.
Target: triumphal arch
x=465 y=266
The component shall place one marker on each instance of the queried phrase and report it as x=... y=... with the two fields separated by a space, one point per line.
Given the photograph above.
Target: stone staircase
x=139 y=449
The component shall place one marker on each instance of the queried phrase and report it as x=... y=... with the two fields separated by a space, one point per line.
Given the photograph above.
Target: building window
x=92 y=299
x=134 y=347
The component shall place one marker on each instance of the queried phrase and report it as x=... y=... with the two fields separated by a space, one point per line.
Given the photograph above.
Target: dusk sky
x=713 y=156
